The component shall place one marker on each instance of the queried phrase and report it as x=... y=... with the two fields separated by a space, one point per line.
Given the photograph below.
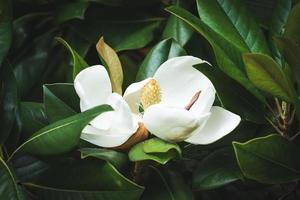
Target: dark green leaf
x=5 y=27
x=292 y=29
x=265 y=74
x=228 y=55
x=72 y=10
x=217 y=169
x=57 y=98
x=78 y=62
x=33 y=117
x=9 y=188
x=279 y=16
x=61 y=136
x=271 y=159
x=9 y=100
x=159 y=54
x=231 y=20
x=97 y=180
x=166 y=184
x=154 y=149
x=117 y=159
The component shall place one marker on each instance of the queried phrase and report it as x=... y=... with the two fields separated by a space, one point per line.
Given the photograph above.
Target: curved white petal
x=92 y=86
x=179 y=81
x=204 y=102
x=171 y=124
x=220 y=123
x=120 y=120
x=104 y=138
x=132 y=94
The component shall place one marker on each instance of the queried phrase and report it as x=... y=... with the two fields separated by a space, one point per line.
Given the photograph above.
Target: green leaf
x=154 y=149
x=159 y=54
x=216 y=170
x=9 y=99
x=78 y=62
x=117 y=159
x=113 y=64
x=97 y=180
x=166 y=184
x=265 y=74
x=271 y=159
x=231 y=20
x=9 y=188
x=32 y=116
x=228 y=55
x=291 y=53
x=60 y=100
x=292 y=29
x=73 y=10
x=61 y=136
x=5 y=27
x=280 y=16
x=178 y=29
x=233 y=96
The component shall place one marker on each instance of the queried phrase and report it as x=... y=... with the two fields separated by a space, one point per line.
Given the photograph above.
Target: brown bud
x=140 y=135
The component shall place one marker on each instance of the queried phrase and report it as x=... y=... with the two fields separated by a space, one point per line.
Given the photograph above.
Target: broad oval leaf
x=154 y=149
x=113 y=64
x=9 y=189
x=217 y=169
x=60 y=100
x=160 y=53
x=72 y=10
x=271 y=159
x=61 y=136
x=78 y=62
x=292 y=29
x=265 y=74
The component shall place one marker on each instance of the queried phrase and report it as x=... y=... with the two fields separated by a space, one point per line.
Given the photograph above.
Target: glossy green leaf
x=9 y=100
x=231 y=20
x=78 y=62
x=291 y=53
x=178 y=29
x=279 y=16
x=232 y=96
x=72 y=10
x=57 y=100
x=166 y=184
x=271 y=159
x=5 y=27
x=154 y=149
x=216 y=170
x=9 y=189
x=97 y=180
x=32 y=116
x=265 y=74
x=61 y=136
x=117 y=159
x=228 y=55
x=292 y=29
x=159 y=54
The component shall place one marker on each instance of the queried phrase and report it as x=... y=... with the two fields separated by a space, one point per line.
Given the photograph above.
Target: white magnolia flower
x=177 y=104
x=110 y=129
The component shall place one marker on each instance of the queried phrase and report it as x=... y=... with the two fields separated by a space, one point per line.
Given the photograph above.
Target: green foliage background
x=254 y=47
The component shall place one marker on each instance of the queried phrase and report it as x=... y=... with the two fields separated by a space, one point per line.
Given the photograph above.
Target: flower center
x=150 y=94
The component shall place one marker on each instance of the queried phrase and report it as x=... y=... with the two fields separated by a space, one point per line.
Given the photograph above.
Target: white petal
x=220 y=123
x=103 y=138
x=204 y=102
x=132 y=94
x=92 y=86
x=121 y=120
x=171 y=124
x=179 y=81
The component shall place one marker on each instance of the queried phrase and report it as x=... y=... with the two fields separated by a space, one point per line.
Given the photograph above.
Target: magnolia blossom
x=178 y=104
x=110 y=129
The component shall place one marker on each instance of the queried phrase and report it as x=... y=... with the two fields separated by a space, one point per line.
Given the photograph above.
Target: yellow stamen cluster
x=150 y=94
